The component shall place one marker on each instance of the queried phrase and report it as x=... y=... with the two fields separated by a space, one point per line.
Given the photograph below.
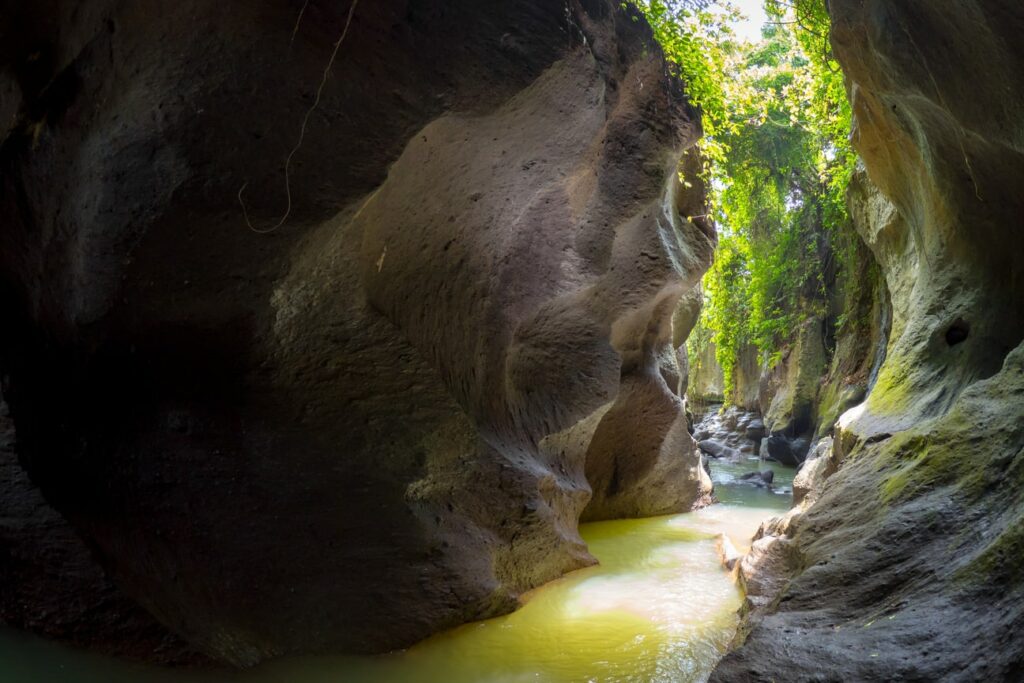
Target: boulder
x=718 y=450
x=755 y=430
x=764 y=478
x=784 y=450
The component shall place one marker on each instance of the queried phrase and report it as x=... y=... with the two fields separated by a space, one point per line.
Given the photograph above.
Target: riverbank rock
x=727 y=552
x=383 y=414
x=763 y=571
x=725 y=433
x=755 y=431
x=820 y=464
x=908 y=563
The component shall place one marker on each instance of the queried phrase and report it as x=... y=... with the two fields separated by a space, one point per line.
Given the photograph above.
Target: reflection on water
x=658 y=608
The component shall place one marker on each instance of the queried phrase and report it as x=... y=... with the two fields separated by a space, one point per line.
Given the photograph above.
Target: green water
x=730 y=491
x=659 y=607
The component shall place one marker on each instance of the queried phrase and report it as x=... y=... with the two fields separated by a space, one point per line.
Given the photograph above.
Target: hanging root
x=302 y=130
x=298 y=22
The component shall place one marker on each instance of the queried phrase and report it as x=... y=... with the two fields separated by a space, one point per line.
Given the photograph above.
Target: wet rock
x=718 y=450
x=764 y=478
x=727 y=552
x=784 y=450
x=763 y=570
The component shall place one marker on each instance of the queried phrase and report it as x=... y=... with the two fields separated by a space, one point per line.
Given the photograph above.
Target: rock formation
x=707 y=383
x=54 y=587
x=385 y=416
x=908 y=565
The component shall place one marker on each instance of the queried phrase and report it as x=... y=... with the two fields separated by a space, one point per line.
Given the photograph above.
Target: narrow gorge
x=447 y=340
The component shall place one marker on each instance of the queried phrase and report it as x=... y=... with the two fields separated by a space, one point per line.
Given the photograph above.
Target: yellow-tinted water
x=658 y=608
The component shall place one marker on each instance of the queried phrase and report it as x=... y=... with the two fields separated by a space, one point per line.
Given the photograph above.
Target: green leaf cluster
x=776 y=122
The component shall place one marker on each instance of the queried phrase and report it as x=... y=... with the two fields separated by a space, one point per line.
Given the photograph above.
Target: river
x=659 y=607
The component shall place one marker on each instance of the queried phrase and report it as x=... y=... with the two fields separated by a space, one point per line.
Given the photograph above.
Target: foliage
x=776 y=122
x=727 y=304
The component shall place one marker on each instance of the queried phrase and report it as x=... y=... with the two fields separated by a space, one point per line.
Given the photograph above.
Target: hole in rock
x=957 y=332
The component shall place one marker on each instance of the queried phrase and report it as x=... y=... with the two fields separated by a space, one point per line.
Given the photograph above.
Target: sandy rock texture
x=385 y=416
x=907 y=566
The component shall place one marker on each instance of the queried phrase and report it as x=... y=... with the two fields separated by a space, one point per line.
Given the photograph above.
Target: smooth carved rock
x=385 y=417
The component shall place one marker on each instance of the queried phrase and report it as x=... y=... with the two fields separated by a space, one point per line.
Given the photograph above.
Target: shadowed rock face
x=380 y=419
x=53 y=586
x=907 y=566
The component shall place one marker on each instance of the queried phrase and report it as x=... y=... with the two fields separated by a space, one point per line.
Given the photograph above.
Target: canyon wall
x=907 y=564
x=384 y=416
x=829 y=361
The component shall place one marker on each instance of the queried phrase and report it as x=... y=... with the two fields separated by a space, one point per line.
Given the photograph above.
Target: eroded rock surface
x=386 y=416
x=907 y=567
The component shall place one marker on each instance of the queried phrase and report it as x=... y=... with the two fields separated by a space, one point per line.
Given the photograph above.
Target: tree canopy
x=776 y=122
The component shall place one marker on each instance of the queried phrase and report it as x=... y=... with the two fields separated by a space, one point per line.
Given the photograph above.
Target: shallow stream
x=659 y=607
